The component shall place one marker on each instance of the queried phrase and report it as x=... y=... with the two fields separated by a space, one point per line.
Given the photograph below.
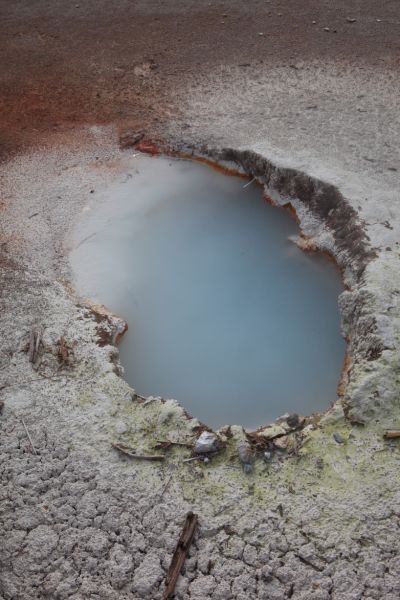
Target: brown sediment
x=212 y=165
x=148 y=147
x=56 y=72
x=292 y=211
x=306 y=244
x=344 y=374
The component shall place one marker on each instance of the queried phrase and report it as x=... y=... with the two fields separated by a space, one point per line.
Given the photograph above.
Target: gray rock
x=206 y=442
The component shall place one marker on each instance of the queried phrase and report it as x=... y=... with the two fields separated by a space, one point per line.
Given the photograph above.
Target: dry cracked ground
x=304 y=96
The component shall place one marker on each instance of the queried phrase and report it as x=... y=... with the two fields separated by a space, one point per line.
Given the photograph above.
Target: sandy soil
x=313 y=114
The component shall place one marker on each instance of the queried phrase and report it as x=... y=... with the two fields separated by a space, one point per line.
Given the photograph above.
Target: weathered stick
x=38 y=339
x=131 y=452
x=166 y=486
x=29 y=437
x=181 y=551
x=165 y=444
x=186 y=460
x=32 y=346
x=391 y=435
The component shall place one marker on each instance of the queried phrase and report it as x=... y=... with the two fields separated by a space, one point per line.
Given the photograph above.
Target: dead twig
x=165 y=444
x=131 y=452
x=34 y=343
x=22 y=383
x=391 y=435
x=309 y=563
x=137 y=396
x=29 y=437
x=62 y=351
x=179 y=556
x=186 y=460
x=166 y=486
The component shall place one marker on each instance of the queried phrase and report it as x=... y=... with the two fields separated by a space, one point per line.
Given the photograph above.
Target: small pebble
x=338 y=438
x=246 y=456
x=206 y=442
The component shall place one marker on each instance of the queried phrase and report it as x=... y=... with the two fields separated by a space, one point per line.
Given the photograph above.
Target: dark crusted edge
x=352 y=250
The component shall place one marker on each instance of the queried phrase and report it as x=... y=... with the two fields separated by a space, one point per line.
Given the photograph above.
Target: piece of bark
x=179 y=556
x=32 y=346
x=166 y=444
x=35 y=339
x=391 y=435
x=131 y=452
x=62 y=351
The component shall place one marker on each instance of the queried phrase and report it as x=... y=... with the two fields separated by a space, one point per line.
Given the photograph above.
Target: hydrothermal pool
x=225 y=313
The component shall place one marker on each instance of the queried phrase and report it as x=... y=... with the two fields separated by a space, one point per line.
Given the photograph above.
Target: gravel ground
x=313 y=114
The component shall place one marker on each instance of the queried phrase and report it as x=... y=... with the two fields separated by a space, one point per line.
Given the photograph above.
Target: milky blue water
x=225 y=313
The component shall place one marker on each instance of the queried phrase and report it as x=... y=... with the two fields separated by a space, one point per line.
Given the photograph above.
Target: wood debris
x=131 y=452
x=166 y=486
x=35 y=339
x=166 y=444
x=391 y=434
x=62 y=351
x=180 y=554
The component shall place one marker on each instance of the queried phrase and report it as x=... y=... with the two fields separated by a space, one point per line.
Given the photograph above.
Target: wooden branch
x=166 y=444
x=34 y=344
x=181 y=551
x=166 y=486
x=131 y=452
x=391 y=435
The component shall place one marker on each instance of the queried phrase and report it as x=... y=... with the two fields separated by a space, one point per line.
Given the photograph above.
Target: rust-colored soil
x=97 y=61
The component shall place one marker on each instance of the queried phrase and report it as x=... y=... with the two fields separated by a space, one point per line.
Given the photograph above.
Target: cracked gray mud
x=79 y=521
